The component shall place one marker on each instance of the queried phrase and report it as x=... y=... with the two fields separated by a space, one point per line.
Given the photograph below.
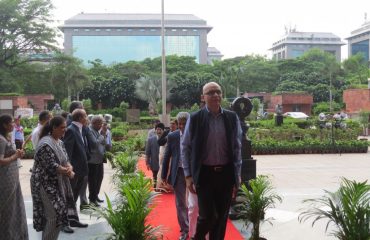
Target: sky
x=241 y=27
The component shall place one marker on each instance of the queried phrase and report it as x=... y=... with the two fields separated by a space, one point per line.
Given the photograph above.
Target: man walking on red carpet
x=212 y=161
x=176 y=177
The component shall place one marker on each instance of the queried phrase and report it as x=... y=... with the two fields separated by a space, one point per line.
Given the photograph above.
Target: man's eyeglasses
x=213 y=92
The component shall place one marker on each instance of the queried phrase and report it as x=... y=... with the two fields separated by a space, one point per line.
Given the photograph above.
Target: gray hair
x=97 y=118
x=182 y=116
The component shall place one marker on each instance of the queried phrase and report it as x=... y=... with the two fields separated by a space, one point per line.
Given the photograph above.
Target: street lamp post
x=164 y=82
x=330 y=94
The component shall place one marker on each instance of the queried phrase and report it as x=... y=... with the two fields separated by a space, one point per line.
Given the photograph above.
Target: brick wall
x=40 y=101
x=356 y=100
x=290 y=100
x=18 y=101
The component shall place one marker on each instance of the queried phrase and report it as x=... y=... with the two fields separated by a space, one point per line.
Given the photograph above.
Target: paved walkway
x=296 y=177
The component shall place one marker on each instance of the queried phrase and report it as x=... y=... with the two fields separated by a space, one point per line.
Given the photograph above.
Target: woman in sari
x=50 y=186
x=13 y=221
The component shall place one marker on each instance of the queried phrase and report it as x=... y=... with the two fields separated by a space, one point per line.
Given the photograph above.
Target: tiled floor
x=296 y=177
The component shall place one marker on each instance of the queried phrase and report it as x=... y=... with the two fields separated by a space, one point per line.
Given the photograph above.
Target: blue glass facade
x=114 y=49
x=362 y=47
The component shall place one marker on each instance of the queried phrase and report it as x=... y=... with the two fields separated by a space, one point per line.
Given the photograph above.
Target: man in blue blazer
x=176 y=177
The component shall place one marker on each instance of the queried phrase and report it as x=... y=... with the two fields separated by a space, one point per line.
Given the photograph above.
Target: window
x=112 y=49
x=362 y=47
x=297 y=108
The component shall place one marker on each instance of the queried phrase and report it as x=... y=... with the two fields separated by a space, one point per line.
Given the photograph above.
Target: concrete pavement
x=296 y=177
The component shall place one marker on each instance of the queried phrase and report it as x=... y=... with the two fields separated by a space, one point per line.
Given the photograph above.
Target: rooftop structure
x=295 y=44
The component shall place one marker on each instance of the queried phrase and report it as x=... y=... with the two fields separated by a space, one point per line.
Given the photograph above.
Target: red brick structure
x=15 y=102
x=292 y=102
x=356 y=100
x=39 y=102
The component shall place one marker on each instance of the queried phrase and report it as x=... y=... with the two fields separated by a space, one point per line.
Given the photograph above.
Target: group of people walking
x=202 y=162
x=69 y=156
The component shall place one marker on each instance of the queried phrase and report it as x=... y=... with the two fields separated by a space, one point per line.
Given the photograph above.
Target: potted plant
x=259 y=197
x=127 y=215
x=348 y=209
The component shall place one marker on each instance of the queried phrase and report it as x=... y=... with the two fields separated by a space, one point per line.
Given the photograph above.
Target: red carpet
x=164 y=214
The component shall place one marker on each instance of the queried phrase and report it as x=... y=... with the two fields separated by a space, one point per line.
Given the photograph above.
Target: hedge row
x=271 y=146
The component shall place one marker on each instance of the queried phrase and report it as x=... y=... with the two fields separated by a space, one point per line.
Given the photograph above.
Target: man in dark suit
x=76 y=146
x=176 y=177
x=212 y=161
x=152 y=152
x=84 y=204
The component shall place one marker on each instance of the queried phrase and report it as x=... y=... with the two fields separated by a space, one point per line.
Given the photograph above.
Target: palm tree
x=148 y=88
x=348 y=209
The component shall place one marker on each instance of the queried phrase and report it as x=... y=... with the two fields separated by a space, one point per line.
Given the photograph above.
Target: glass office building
x=359 y=41
x=115 y=38
x=114 y=49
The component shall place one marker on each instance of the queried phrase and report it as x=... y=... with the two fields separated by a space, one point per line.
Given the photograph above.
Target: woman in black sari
x=51 y=191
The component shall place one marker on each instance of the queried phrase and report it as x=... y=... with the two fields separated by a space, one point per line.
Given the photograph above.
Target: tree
x=356 y=69
x=188 y=87
x=68 y=72
x=24 y=26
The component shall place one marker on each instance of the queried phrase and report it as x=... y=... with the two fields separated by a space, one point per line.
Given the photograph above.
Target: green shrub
x=29 y=122
x=120 y=130
x=325 y=107
x=29 y=152
x=273 y=146
x=118 y=146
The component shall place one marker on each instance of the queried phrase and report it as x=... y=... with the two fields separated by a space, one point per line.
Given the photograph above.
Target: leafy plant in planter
x=256 y=201
x=128 y=216
x=348 y=209
x=125 y=164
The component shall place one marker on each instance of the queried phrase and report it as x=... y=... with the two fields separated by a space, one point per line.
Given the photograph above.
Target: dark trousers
x=76 y=184
x=96 y=174
x=18 y=144
x=155 y=174
x=214 y=191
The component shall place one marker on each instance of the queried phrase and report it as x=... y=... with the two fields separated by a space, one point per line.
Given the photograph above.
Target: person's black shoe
x=78 y=224
x=99 y=200
x=67 y=229
x=184 y=236
x=84 y=207
x=94 y=203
